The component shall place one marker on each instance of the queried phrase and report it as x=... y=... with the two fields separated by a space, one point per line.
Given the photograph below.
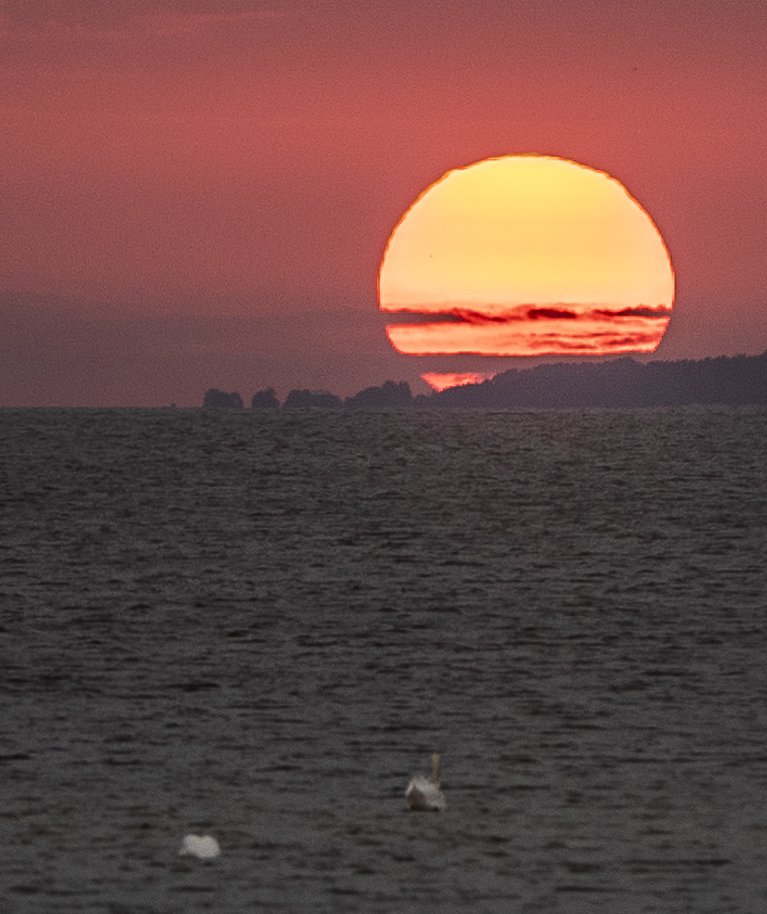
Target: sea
x=258 y=625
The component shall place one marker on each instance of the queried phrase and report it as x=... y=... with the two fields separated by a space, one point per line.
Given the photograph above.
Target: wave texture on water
x=258 y=626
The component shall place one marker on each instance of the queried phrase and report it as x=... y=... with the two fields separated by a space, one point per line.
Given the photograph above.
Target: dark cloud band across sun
x=451 y=315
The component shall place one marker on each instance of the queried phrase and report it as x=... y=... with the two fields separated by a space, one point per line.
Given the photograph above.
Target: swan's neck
x=435 y=768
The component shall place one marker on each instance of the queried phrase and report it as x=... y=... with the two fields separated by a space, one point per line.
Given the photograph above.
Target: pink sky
x=198 y=194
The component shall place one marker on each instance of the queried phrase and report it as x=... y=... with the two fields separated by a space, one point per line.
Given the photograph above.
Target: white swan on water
x=425 y=793
x=204 y=847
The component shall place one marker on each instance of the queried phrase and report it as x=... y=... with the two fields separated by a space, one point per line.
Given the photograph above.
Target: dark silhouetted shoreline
x=618 y=383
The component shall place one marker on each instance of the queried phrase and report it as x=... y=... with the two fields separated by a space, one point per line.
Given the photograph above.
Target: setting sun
x=526 y=255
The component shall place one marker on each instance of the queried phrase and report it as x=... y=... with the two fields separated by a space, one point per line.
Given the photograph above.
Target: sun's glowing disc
x=526 y=255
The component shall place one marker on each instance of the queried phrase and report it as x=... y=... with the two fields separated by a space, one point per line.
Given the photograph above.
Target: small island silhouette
x=739 y=380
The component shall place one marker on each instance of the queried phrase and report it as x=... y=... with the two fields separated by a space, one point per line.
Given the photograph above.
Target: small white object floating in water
x=204 y=847
x=425 y=793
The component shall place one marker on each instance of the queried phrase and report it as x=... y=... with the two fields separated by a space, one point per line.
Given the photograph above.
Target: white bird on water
x=204 y=847
x=425 y=793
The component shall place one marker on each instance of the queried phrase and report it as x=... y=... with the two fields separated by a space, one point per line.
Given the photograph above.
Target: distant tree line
x=217 y=399
x=728 y=380
x=390 y=395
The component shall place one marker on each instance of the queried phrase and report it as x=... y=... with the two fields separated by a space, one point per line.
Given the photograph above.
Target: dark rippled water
x=257 y=626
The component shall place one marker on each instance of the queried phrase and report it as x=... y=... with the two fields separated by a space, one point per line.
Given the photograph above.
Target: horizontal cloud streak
x=658 y=311
x=540 y=329
x=536 y=314
x=498 y=314
x=548 y=332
